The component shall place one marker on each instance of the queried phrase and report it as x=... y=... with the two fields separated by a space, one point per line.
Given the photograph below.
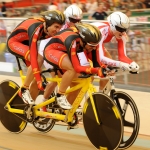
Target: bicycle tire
x=108 y=134
x=46 y=124
x=12 y=122
x=119 y=95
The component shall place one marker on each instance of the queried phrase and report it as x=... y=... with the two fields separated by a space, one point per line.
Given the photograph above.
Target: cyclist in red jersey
x=23 y=43
x=73 y=14
x=61 y=51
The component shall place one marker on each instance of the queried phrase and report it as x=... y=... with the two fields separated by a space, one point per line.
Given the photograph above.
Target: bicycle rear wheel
x=130 y=116
x=108 y=134
x=10 y=121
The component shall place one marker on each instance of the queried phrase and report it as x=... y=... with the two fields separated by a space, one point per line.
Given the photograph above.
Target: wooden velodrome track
x=60 y=138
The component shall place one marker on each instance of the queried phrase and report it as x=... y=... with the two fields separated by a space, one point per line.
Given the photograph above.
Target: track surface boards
x=57 y=138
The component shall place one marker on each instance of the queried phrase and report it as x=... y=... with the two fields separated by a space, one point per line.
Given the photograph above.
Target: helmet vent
x=120 y=19
x=48 y=17
x=81 y=35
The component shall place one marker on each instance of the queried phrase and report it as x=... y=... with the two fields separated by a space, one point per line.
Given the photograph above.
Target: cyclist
x=61 y=51
x=115 y=28
x=73 y=14
x=23 y=43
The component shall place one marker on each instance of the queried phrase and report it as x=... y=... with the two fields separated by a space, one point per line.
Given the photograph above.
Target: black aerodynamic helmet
x=88 y=33
x=54 y=16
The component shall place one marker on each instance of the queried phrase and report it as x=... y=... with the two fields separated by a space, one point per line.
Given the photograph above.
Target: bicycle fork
x=90 y=91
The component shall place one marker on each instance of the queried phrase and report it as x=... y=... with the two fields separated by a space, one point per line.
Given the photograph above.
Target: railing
x=37 y=8
x=138 y=49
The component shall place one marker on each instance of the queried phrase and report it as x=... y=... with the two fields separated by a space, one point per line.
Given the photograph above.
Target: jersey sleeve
x=34 y=51
x=101 y=58
x=122 y=50
x=76 y=63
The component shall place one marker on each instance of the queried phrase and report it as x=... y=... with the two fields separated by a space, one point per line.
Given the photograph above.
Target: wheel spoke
x=118 y=104
x=128 y=124
x=124 y=109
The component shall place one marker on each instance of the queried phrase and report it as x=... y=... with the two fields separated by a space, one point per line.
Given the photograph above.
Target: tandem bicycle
x=104 y=131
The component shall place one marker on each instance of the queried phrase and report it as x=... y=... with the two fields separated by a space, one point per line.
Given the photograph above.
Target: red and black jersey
x=68 y=41
x=63 y=41
x=29 y=32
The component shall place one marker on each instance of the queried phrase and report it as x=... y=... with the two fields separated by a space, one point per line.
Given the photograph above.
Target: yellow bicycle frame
x=84 y=85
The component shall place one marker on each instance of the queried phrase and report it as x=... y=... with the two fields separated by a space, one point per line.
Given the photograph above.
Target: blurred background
x=12 y=12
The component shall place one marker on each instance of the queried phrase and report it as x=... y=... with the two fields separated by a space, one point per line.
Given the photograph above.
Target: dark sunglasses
x=120 y=29
x=74 y=20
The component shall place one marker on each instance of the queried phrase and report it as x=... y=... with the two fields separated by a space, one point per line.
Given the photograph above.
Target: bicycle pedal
x=68 y=128
x=72 y=127
x=57 y=109
x=41 y=119
x=28 y=112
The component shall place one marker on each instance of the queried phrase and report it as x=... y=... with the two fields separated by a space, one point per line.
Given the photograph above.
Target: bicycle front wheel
x=130 y=116
x=10 y=121
x=107 y=134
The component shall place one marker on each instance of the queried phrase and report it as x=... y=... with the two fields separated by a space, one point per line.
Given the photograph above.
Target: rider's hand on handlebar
x=124 y=66
x=134 y=67
x=110 y=72
x=103 y=72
